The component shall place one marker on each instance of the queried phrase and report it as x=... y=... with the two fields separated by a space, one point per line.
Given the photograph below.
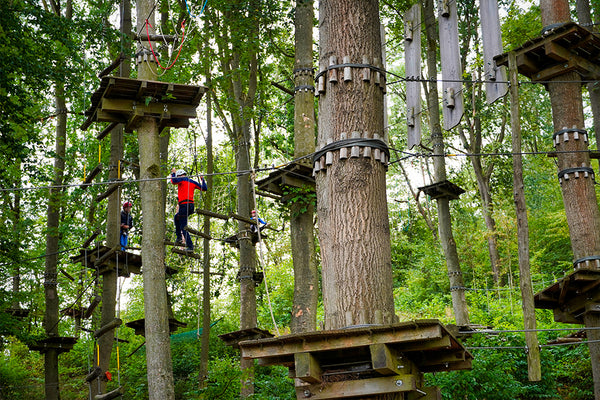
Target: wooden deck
x=127 y=101
x=572 y=296
x=566 y=48
x=106 y=259
x=363 y=360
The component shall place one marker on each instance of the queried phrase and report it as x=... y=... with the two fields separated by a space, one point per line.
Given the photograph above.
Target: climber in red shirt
x=185 y=198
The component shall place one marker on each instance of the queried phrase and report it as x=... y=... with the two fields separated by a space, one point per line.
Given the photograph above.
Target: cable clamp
x=565 y=135
x=304 y=87
x=455 y=288
x=586 y=260
x=565 y=173
x=352 y=65
x=361 y=142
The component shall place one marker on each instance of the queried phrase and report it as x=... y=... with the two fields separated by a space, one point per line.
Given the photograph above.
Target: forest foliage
x=33 y=39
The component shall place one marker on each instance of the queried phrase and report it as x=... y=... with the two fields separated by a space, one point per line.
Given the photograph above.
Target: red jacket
x=186 y=187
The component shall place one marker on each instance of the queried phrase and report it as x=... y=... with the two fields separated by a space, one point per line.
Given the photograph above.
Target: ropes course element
x=152 y=49
x=189 y=11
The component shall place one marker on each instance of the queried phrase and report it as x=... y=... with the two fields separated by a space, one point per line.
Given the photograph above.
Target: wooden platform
x=18 y=312
x=128 y=263
x=364 y=360
x=127 y=101
x=572 y=296
x=139 y=325
x=444 y=189
x=569 y=47
x=61 y=344
x=295 y=175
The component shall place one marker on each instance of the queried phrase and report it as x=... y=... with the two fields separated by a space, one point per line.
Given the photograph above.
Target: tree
x=351 y=200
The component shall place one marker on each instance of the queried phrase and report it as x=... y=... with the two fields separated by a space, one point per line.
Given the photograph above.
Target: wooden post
x=533 y=354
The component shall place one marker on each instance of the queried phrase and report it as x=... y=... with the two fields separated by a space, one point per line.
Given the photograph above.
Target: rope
x=152 y=50
x=260 y=253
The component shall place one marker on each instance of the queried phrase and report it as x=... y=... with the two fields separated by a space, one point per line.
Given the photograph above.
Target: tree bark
x=354 y=230
x=529 y=322
x=579 y=196
x=306 y=278
x=457 y=287
x=52 y=243
x=156 y=309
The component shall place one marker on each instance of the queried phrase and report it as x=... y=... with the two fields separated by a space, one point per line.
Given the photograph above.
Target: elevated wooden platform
x=139 y=325
x=363 y=360
x=294 y=175
x=61 y=344
x=572 y=296
x=444 y=189
x=565 y=48
x=127 y=101
x=234 y=338
x=105 y=259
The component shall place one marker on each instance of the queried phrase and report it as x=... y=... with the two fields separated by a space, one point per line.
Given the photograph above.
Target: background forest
x=49 y=52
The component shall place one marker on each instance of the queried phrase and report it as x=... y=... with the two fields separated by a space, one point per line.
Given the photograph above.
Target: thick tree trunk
x=52 y=242
x=579 y=196
x=529 y=322
x=457 y=287
x=156 y=308
x=306 y=279
x=354 y=229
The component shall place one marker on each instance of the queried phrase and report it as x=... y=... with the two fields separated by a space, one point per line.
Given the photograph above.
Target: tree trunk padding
x=108 y=327
x=111 y=395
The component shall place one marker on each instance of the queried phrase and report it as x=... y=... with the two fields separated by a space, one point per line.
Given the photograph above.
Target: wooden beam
x=307 y=368
x=111 y=188
x=320 y=342
x=120 y=391
x=358 y=388
x=108 y=327
x=154 y=108
x=559 y=53
x=197 y=233
x=91 y=238
x=107 y=130
x=88 y=179
x=105 y=256
x=384 y=359
x=93 y=304
x=212 y=214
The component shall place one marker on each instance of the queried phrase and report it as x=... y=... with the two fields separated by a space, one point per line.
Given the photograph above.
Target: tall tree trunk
x=306 y=279
x=156 y=309
x=457 y=287
x=205 y=341
x=113 y=223
x=579 y=195
x=52 y=241
x=354 y=230
x=529 y=322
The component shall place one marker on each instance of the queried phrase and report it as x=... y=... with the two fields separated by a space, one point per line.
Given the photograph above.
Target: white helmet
x=180 y=172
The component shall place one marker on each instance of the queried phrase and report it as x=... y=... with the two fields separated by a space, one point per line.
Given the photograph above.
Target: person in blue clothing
x=261 y=222
x=185 y=199
x=126 y=223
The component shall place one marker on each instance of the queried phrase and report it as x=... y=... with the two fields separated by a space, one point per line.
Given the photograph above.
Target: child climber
x=185 y=199
x=126 y=223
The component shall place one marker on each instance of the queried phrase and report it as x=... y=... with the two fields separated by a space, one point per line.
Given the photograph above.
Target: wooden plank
x=561 y=54
x=496 y=82
x=212 y=214
x=452 y=104
x=111 y=188
x=108 y=327
x=384 y=359
x=273 y=347
x=412 y=50
x=355 y=388
x=197 y=233
x=307 y=368
x=158 y=109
